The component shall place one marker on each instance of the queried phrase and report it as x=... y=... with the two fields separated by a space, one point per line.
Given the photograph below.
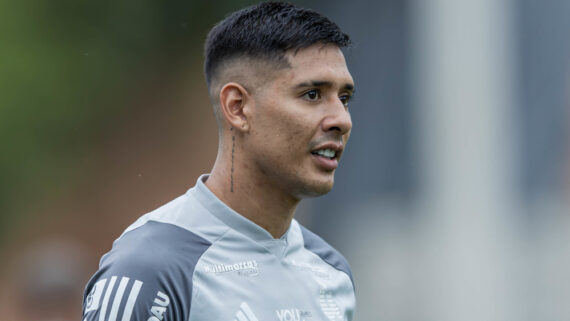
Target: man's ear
x=233 y=99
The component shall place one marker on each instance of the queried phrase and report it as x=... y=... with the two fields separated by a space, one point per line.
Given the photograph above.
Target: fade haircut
x=267 y=31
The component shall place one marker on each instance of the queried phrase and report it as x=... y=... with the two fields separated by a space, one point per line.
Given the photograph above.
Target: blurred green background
x=69 y=69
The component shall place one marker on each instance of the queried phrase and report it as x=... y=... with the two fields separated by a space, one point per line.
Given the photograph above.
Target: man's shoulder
x=148 y=272
x=314 y=243
x=155 y=245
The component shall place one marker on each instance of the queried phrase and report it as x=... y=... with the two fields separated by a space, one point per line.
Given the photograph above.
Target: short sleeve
x=146 y=276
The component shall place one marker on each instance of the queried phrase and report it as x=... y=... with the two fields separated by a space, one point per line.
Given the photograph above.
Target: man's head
x=260 y=36
x=280 y=88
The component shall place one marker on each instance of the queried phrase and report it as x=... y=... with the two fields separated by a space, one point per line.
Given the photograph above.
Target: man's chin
x=316 y=189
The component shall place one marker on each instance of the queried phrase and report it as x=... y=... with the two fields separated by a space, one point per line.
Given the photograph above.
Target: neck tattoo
x=232 y=172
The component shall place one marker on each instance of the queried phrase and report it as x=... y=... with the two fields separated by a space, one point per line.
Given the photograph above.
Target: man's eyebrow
x=321 y=83
x=349 y=87
x=315 y=83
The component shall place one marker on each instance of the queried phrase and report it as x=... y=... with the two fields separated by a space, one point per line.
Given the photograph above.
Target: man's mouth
x=328 y=153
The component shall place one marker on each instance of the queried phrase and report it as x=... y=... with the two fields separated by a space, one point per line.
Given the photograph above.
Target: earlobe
x=233 y=100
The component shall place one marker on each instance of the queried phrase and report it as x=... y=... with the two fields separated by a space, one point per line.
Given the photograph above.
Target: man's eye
x=345 y=99
x=312 y=95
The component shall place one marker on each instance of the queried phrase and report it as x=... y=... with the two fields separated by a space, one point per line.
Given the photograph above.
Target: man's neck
x=258 y=201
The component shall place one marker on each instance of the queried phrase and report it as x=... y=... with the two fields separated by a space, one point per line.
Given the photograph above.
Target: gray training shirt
x=196 y=259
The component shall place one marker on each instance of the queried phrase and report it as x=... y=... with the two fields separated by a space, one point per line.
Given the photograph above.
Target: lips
x=327 y=155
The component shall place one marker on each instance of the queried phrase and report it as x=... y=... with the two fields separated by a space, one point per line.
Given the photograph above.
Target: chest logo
x=245 y=268
x=329 y=306
x=245 y=313
x=317 y=271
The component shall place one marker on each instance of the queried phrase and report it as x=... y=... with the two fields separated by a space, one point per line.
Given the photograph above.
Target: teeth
x=326 y=153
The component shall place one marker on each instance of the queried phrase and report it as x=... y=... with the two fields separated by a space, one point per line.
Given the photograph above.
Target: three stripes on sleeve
x=100 y=296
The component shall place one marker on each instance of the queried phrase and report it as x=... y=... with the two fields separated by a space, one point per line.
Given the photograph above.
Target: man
x=229 y=249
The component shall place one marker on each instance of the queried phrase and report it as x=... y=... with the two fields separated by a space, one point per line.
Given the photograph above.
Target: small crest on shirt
x=244 y=268
x=94 y=297
x=329 y=305
x=317 y=271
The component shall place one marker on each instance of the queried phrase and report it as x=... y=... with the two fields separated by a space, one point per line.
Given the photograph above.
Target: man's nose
x=337 y=119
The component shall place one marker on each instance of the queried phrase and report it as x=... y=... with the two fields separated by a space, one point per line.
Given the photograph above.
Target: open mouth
x=327 y=153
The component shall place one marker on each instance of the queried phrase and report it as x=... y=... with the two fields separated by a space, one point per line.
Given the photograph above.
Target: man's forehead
x=317 y=65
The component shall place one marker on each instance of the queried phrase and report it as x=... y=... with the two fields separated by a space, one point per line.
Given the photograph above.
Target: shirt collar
x=227 y=215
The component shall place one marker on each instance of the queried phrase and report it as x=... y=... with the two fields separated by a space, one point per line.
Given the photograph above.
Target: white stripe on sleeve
x=103 y=311
x=132 y=300
x=118 y=298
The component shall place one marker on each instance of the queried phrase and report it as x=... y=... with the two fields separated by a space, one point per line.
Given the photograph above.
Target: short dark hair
x=267 y=31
